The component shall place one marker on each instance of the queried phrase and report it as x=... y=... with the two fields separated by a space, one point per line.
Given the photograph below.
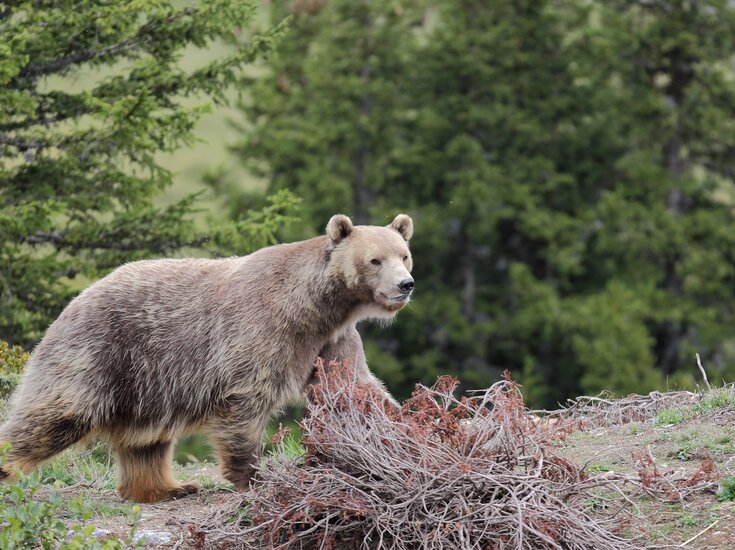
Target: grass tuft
x=674 y=415
x=726 y=491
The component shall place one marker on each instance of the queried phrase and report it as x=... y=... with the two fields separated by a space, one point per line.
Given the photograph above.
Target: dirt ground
x=678 y=449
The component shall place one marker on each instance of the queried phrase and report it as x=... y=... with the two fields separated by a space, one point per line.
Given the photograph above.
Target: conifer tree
x=510 y=152
x=79 y=166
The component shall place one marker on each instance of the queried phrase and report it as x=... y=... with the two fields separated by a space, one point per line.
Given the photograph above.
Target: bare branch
x=704 y=374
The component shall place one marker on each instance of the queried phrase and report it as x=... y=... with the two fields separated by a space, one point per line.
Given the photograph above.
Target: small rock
x=153 y=537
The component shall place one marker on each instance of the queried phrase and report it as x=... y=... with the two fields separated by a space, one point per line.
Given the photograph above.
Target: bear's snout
x=406 y=285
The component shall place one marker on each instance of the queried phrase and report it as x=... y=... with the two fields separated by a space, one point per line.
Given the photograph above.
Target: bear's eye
x=405 y=258
x=375 y=261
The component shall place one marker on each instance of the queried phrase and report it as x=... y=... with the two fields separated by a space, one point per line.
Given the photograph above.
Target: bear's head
x=374 y=262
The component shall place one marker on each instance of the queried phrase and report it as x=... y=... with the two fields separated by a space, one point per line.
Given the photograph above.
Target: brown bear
x=160 y=348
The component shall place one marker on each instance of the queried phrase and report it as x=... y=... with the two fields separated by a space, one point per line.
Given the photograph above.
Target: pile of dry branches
x=441 y=472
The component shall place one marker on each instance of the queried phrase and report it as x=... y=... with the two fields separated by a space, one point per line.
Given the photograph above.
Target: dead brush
x=589 y=412
x=441 y=472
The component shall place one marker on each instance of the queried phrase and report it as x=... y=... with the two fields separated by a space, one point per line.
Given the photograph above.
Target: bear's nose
x=406 y=285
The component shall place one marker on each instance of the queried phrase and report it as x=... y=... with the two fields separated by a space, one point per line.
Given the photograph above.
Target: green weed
x=726 y=491
x=26 y=522
x=683 y=452
x=673 y=415
x=12 y=361
x=291 y=447
x=92 y=467
x=80 y=508
x=595 y=468
x=688 y=521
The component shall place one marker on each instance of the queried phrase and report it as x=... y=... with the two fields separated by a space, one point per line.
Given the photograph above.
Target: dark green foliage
x=568 y=166
x=328 y=117
x=79 y=165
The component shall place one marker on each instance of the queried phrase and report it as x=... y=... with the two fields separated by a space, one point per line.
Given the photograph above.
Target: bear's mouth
x=398 y=297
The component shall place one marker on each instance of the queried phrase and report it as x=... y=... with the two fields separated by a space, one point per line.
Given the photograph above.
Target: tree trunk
x=676 y=203
x=469 y=290
x=362 y=157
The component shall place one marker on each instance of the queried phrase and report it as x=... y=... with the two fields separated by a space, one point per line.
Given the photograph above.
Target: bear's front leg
x=349 y=348
x=237 y=440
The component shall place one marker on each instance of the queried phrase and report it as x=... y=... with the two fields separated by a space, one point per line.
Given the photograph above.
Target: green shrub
x=27 y=522
x=12 y=361
x=726 y=490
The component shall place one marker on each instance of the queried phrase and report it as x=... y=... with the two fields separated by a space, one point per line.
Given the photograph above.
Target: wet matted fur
x=160 y=348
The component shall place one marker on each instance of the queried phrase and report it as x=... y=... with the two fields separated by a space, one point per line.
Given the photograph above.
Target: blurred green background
x=568 y=165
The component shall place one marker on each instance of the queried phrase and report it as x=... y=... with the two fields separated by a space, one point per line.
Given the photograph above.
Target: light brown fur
x=159 y=348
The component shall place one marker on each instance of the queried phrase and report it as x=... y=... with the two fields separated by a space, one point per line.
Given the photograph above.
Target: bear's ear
x=339 y=227
x=404 y=225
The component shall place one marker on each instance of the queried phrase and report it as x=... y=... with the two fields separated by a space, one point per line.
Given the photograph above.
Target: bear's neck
x=332 y=302
x=322 y=302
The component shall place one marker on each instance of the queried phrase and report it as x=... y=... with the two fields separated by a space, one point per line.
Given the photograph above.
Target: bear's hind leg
x=35 y=435
x=238 y=451
x=145 y=474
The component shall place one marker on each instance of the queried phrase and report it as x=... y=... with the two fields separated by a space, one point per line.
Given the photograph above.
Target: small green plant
x=292 y=447
x=685 y=451
x=209 y=482
x=285 y=444
x=80 y=508
x=673 y=415
x=12 y=361
x=92 y=467
x=635 y=428
x=688 y=521
x=27 y=522
x=726 y=490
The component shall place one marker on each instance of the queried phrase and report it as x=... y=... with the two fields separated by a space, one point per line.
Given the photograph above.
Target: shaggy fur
x=160 y=348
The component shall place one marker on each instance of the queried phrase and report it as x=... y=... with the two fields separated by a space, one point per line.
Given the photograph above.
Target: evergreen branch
x=25 y=123
x=58 y=238
x=43 y=237
x=42 y=119
x=34 y=70
x=21 y=144
x=27 y=144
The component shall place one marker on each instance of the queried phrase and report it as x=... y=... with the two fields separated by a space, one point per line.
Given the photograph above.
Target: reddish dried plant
x=440 y=472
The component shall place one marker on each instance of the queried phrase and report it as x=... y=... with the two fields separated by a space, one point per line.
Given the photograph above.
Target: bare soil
x=679 y=450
